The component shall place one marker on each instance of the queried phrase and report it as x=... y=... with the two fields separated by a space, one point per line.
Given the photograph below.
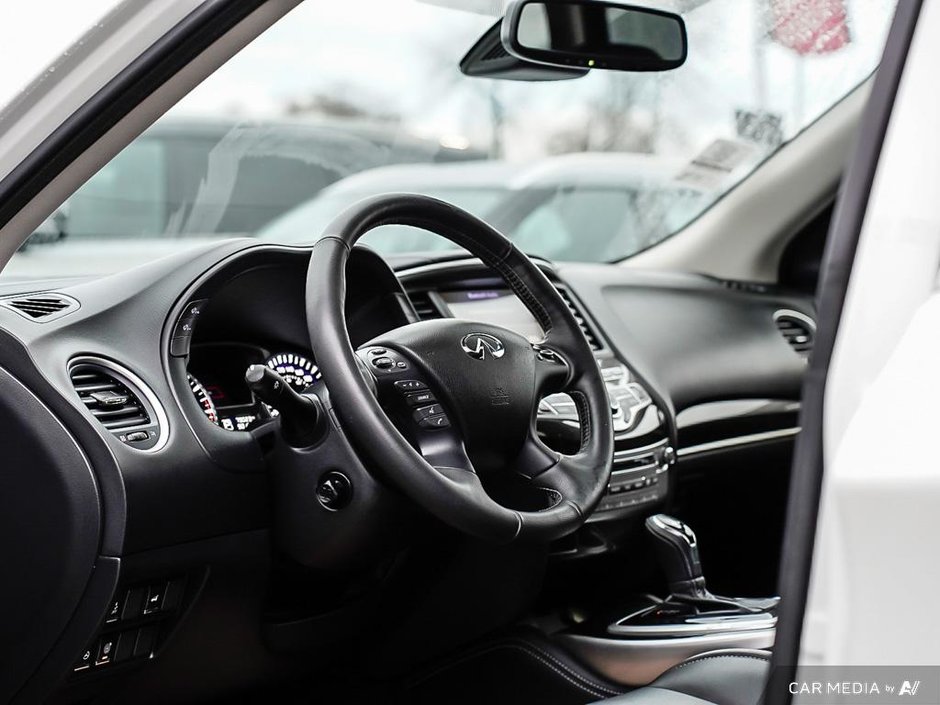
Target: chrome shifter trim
x=708 y=625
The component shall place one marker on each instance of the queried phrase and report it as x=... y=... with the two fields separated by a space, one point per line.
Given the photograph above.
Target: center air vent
x=41 y=307
x=799 y=330
x=424 y=306
x=592 y=338
x=116 y=399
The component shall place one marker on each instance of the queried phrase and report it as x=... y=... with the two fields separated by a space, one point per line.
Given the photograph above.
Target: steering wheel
x=420 y=401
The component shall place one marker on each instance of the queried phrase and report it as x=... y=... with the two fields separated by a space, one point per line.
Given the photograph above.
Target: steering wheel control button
x=383 y=361
x=419 y=398
x=424 y=412
x=432 y=422
x=410 y=385
x=334 y=491
x=548 y=355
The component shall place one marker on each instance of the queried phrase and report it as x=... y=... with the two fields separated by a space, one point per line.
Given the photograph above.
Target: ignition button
x=334 y=490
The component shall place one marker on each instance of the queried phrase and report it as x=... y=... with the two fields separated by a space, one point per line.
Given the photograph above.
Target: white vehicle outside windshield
x=340 y=101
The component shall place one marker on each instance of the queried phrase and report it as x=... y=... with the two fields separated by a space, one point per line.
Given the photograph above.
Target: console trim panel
x=638 y=662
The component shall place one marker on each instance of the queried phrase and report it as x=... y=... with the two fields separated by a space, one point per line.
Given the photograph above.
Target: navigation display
x=497 y=306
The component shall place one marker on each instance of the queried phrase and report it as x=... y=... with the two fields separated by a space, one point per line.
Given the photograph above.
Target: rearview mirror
x=594 y=34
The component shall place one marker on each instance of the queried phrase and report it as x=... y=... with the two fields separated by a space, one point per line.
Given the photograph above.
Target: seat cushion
x=728 y=677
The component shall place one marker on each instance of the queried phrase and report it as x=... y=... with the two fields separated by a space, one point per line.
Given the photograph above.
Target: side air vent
x=591 y=336
x=799 y=330
x=116 y=399
x=424 y=306
x=42 y=307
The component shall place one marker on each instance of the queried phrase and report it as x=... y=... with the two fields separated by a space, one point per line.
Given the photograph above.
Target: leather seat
x=727 y=677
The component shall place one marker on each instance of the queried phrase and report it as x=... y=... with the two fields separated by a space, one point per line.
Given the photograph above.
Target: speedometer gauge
x=205 y=401
x=296 y=370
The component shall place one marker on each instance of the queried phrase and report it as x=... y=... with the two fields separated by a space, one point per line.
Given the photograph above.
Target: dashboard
x=169 y=483
x=253 y=314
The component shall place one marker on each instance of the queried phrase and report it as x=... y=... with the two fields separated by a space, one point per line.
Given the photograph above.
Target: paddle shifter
x=679 y=557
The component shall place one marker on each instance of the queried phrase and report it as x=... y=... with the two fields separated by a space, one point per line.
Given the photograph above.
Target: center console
x=634 y=642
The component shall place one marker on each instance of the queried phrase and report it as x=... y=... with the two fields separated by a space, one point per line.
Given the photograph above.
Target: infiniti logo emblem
x=479 y=345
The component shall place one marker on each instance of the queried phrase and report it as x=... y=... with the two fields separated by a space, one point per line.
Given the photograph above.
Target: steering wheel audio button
x=424 y=412
x=410 y=385
x=419 y=398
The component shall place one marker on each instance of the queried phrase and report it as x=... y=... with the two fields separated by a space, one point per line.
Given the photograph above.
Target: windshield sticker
x=760 y=126
x=715 y=163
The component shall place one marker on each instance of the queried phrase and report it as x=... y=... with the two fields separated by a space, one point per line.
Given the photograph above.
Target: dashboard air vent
x=591 y=336
x=424 y=306
x=799 y=330
x=116 y=403
x=41 y=306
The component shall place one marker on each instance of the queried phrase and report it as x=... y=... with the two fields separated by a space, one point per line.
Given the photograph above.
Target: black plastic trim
x=85 y=620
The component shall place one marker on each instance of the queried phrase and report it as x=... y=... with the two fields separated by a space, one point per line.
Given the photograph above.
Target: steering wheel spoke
x=552 y=371
x=535 y=458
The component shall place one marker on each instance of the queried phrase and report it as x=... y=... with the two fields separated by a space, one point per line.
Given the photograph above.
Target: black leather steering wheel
x=420 y=401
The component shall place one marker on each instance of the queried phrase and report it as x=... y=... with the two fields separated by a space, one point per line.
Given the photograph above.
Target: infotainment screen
x=497 y=306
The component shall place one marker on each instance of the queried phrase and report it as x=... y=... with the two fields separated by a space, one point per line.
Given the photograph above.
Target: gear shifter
x=678 y=553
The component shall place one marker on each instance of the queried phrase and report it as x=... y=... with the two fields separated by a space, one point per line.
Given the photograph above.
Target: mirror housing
x=594 y=34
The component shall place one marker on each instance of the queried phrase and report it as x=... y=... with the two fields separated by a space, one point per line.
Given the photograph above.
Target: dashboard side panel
x=50 y=525
x=694 y=338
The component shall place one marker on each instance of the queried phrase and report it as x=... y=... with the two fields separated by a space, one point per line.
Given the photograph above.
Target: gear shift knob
x=678 y=554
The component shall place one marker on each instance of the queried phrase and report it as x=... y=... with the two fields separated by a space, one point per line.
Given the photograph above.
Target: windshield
x=340 y=101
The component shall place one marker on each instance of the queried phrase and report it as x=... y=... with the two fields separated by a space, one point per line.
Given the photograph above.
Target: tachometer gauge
x=296 y=370
x=205 y=401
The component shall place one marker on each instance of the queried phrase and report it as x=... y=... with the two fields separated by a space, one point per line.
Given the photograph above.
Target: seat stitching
x=587 y=686
x=547 y=655
x=698 y=659
x=669 y=690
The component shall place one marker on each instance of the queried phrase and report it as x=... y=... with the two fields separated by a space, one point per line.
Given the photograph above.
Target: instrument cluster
x=216 y=374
